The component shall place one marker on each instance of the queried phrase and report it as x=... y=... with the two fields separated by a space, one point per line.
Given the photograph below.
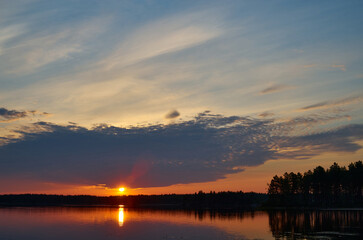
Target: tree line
x=332 y=187
x=201 y=200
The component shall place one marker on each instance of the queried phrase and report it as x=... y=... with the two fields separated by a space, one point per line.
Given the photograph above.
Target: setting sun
x=122 y=189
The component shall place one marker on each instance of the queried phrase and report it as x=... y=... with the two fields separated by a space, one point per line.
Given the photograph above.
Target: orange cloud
x=341 y=67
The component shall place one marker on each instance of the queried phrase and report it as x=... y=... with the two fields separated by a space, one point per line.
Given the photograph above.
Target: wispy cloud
x=276 y=88
x=333 y=103
x=310 y=66
x=39 y=48
x=341 y=139
x=341 y=67
x=164 y=36
x=7 y=33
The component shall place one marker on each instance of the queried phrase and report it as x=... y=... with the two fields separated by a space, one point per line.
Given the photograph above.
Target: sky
x=176 y=96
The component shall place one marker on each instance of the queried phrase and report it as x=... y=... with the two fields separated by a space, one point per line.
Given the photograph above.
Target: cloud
x=205 y=148
x=341 y=67
x=36 y=48
x=7 y=115
x=266 y=114
x=337 y=140
x=167 y=35
x=276 y=88
x=329 y=104
x=172 y=114
x=7 y=33
x=310 y=66
x=11 y=115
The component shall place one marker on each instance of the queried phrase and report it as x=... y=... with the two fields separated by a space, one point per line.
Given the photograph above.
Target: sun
x=122 y=189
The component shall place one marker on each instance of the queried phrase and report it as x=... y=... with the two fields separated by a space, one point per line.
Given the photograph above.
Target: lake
x=124 y=223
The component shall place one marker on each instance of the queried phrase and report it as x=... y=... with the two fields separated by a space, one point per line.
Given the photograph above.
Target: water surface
x=123 y=223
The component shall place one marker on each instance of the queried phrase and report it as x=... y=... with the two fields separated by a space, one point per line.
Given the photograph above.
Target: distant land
x=200 y=200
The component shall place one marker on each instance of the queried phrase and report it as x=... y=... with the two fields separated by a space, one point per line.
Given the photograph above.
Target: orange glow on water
x=121 y=215
x=250 y=225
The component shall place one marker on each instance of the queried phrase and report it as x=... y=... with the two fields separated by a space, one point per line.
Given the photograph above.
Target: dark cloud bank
x=203 y=149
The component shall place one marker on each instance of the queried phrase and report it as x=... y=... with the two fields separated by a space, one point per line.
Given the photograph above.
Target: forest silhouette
x=332 y=187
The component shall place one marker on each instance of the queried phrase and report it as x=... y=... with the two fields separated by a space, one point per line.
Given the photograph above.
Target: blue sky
x=296 y=65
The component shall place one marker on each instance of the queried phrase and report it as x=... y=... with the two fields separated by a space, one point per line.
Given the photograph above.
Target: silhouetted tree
x=336 y=186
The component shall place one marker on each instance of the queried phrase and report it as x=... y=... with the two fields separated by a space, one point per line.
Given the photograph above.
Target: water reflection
x=96 y=223
x=326 y=224
x=121 y=215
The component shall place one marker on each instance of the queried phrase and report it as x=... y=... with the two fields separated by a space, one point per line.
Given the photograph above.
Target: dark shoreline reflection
x=132 y=223
x=203 y=214
x=323 y=224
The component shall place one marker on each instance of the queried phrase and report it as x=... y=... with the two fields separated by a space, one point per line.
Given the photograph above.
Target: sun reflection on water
x=121 y=215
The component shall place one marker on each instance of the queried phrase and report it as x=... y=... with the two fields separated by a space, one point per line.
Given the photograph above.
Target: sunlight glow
x=121 y=215
x=122 y=189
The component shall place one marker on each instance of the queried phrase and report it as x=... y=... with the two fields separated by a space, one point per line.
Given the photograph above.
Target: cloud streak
x=37 y=48
x=334 y=103
x=8 y=33
x=164 y=36
x=276 y=88
x=340 y=67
